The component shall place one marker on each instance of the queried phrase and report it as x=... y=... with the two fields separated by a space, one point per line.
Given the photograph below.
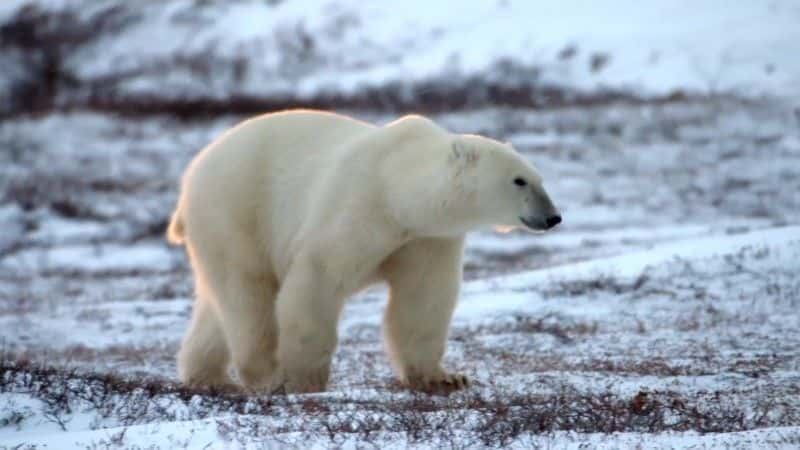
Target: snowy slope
x=303 y=48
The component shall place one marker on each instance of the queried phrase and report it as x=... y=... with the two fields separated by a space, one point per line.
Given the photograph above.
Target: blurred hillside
x=192 y=56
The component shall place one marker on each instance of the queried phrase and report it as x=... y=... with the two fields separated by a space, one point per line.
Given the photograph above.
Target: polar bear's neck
x=428 y=196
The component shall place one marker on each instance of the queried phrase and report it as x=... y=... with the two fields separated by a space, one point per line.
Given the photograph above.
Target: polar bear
x=287 y=214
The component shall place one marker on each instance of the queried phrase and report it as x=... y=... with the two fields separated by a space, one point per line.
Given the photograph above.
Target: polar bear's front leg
x=424 y=279
x=308 y=307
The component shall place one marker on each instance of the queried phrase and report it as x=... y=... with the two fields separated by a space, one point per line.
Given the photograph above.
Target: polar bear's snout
x=545 y=216
x=553 y=221
x=541 y=224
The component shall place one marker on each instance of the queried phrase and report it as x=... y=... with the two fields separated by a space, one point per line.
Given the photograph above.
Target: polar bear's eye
x=520 y=181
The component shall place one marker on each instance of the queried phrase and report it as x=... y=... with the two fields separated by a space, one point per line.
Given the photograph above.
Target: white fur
x=288 y=214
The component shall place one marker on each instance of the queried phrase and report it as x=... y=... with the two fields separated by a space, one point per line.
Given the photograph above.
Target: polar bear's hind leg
x=204 y=358
x=248 y=321
x=308 y=308
x=242 y=300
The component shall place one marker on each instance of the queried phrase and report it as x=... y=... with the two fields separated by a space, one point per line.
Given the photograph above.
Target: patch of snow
x=632 y=264
x=149 y=257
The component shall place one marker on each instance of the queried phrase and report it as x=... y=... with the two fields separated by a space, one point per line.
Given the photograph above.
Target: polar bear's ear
x=462 y=152
x=456 y=150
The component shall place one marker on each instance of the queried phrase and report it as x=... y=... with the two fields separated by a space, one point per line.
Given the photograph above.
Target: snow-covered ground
x=663 y=312
x=695 y=336
x=665 y=306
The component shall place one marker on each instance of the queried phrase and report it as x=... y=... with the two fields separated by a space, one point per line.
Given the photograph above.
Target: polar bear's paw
x=221 y=385
x=301 y=381
x=438 y=382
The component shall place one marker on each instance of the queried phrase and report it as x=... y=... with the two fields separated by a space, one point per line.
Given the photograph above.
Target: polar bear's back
x=262 y=175
x=303 y=149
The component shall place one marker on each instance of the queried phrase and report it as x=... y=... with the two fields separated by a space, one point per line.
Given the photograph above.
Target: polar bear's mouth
x=532 y=224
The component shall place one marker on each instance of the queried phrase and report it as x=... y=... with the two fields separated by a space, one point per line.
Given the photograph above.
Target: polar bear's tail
x=175 y=229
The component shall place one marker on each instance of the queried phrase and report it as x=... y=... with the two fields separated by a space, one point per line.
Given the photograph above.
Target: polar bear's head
x=493 y=185
x=439 y=184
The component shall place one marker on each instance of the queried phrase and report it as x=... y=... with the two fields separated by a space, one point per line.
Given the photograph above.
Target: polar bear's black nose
x=553 y=221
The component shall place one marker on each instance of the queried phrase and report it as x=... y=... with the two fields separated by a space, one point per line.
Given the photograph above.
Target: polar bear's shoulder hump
x=415 y=126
